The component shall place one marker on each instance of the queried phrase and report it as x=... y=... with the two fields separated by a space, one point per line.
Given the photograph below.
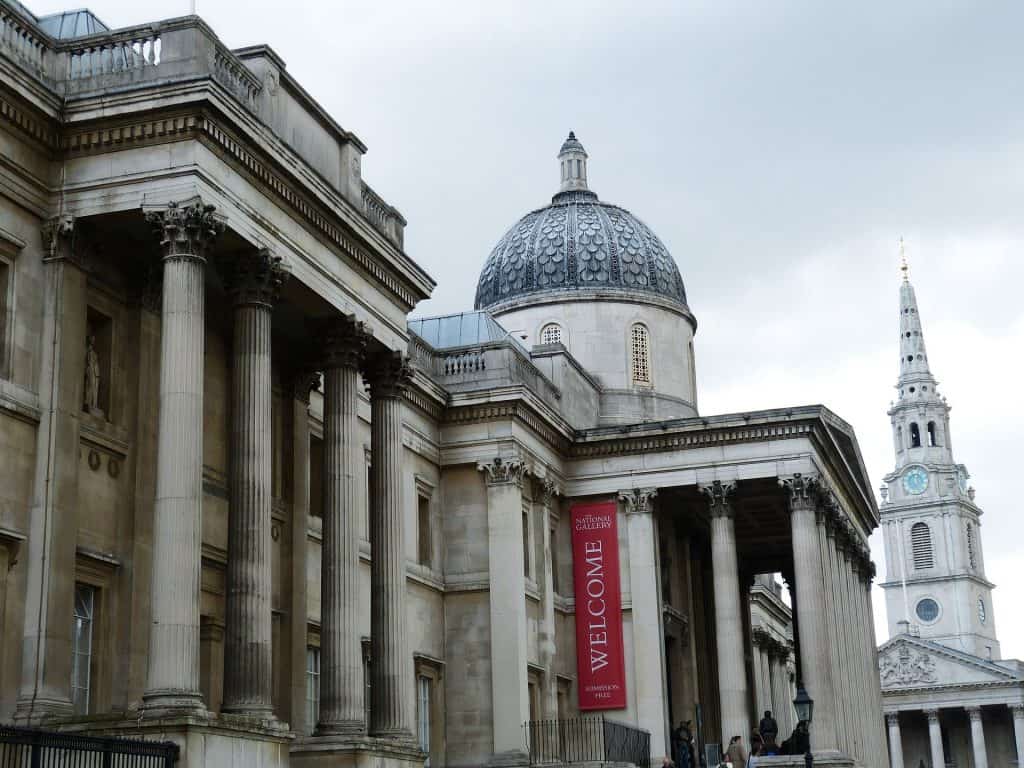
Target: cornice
x=516 y=410
x=29 y=122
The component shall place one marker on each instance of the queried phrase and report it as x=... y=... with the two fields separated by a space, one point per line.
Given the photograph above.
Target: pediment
x=906 y=662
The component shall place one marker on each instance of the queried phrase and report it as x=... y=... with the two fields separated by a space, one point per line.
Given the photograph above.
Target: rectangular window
x=312 y=687
x=423 y=530
x=424 y=700
x=81 y=651
x=316 y=476
x=526 y=545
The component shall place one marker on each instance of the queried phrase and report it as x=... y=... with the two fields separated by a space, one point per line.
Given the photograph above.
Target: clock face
x=915 y=481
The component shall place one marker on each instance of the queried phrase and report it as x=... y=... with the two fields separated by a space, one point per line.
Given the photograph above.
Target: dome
x=580 y=245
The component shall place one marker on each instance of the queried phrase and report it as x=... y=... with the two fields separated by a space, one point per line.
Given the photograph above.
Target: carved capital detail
x=186 y=230
x=253 y=278
x=302 y=382
x=638 y=500
x=803 y=490
x=719 y=496
x=1018 y=711
x=892 y=719
x=58 y=233
x=974 y=713
x=549 y=488
x=342 y=341
x=499 y=471
x=932 y=715
x=388 y=374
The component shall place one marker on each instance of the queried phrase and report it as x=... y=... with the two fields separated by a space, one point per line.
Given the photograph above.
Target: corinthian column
x=186 y=233
x=510 y=706
x=809 y=576
x=253 y=281
x=391 y=688
x=1018 y=730
x=935 y=738
x=341 y=657
x=732 y=678
x=978 y=737
x=892 y=719
x=45 y=688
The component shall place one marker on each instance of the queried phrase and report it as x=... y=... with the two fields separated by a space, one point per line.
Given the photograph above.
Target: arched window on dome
x=640 y=344
x=921 y=546
x=551 y=334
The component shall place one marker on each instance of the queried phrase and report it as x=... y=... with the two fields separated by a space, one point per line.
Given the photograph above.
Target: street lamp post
x=804 y=706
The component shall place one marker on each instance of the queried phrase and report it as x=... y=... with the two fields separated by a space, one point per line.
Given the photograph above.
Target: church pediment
x=906 y=662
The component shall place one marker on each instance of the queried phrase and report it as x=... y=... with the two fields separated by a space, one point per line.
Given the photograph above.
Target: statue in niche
x=91 y=399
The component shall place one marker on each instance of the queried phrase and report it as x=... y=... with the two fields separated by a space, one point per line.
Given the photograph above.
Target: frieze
x=904 y=666
x=30 y=123
x=489 y=412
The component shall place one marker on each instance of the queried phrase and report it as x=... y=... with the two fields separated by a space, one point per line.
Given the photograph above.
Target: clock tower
x=935 y=578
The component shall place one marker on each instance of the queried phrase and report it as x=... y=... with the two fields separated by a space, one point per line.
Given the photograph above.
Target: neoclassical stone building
x=950 y=698
x=248 y=505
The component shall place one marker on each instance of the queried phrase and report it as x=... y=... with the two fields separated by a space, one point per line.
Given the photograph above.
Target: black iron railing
x=30 y=748
x=587 y=739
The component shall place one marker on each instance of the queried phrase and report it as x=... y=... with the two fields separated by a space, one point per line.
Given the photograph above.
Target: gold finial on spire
x=904 y=267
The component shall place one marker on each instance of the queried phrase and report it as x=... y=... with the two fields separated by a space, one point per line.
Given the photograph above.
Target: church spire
x=915 y=375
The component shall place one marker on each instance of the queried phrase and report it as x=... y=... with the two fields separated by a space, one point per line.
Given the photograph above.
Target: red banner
x=599 y=655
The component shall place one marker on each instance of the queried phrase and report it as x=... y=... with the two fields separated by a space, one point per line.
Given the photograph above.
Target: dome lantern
x=572 y=159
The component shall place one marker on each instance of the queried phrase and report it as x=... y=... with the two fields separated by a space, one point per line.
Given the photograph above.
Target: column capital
x=499 y=471
x=892 y=719
x=719 y=495
x=549 y=488
x=253 y=278
x=387 y=374
x=933 y=715
x=58 y=233
x=342 y=341
x=974 y=713
x=638 y=500
x=187 y=229
x=1017 y=710
x=802 y=490
x=301 y=382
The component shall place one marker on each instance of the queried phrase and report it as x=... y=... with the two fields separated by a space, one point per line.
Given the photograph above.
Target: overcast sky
x=779 y=149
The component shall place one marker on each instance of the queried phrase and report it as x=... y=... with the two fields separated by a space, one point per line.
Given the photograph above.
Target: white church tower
x=936 y=571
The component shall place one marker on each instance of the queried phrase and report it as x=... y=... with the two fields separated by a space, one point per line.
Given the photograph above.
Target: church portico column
x=172 y=681
x=810 y=609
x=343 y=341
x=391 y=694
x=892 y=719
x=1018 y=731
x=648 y=633
x=253 y=281
x=935 y=738
x=732 y=679
x=510 y=705
x=978 y=737
x=45 y=687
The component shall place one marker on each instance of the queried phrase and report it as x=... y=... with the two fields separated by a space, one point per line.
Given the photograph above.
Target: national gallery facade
x=248 y=505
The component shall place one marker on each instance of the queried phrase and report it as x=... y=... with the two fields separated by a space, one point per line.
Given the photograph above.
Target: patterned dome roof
x=578 y=244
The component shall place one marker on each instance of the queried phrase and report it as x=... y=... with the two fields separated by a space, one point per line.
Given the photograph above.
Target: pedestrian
x=736 y=754
x=769 y=728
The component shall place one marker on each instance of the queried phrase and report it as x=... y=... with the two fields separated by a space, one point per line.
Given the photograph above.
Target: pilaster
x=978 y=737
x=253 y=281
x=510 y=706
x=186 y=233
x=549 y=491
x=45 y=688
x=648 y=632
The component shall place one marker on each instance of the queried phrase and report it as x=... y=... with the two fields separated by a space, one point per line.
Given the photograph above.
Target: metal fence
x=587 y=739
x=30 y=748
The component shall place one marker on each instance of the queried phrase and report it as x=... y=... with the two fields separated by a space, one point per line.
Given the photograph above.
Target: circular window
x=927 y=610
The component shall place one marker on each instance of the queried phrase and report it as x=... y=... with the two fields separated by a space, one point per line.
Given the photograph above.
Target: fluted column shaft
x=253 y=281
x=45 y=686
x=833 y=619
x=391 y=687
x=173 y=674
x=732 y=679
x=811 y=614
x=935 y=738
x=548 y=648
x=341 y=656
x=895 y=740
x=978 y=737
x=1018 y=731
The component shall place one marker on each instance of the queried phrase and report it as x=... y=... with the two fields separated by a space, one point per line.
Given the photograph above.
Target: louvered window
x=641 y=345
x=970 y=546
x=921 y=546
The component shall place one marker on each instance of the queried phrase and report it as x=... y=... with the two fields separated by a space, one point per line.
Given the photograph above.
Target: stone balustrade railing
x=177 y=49
x=497 y=363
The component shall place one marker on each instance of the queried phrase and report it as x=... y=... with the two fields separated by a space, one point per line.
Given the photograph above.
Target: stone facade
x=949 y=699
x=290 y=527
